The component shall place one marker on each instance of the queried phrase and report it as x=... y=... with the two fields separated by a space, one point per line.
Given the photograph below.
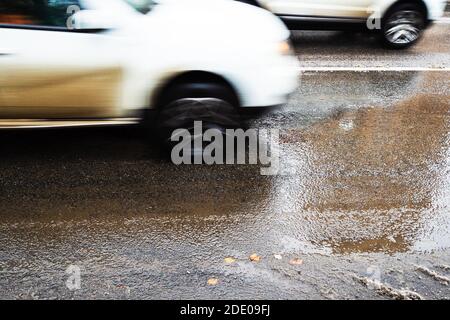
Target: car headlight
x=285 y=48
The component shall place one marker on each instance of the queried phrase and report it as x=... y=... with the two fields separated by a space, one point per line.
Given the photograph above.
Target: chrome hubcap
x=403 y=27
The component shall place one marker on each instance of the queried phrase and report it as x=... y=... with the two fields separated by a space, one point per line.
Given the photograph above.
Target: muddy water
x=372 y=180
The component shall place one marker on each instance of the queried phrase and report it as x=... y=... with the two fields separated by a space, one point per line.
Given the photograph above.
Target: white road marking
x=367 y=69
x=444 y=20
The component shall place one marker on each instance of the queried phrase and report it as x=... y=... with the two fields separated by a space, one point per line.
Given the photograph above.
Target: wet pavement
x=347 y=49
x=360 y=208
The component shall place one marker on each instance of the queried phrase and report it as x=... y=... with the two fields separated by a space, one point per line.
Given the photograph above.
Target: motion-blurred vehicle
x=399 y=22
x=94 y=62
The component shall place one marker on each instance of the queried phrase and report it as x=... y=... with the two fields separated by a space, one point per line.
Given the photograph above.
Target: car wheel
x=403 y=26
x=215 y=105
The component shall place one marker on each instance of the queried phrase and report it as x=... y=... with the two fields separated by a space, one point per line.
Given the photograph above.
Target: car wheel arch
x=191 y=78
x=419 y=3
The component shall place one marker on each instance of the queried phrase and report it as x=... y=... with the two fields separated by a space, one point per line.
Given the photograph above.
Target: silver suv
x=400 y=23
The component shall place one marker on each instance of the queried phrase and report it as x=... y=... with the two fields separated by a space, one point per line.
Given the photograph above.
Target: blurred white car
x=399 y=22
x=90 y=62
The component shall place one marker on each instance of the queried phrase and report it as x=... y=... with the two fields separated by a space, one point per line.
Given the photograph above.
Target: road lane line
x=367 y=69
x=444 y=20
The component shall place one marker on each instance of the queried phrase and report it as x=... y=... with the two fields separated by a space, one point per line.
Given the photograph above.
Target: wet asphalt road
x=346 y=49
x=362 y=199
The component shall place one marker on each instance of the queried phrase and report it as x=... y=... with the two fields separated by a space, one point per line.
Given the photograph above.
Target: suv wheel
x=403 y=25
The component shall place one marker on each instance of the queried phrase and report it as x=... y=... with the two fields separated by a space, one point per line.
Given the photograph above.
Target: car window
x=49 y=13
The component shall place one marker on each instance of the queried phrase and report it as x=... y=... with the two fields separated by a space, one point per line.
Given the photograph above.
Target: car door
x=48 y=70
x=320 y=8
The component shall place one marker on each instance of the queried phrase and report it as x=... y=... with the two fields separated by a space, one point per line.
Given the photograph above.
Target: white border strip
x=367 y=69
x=47 y=124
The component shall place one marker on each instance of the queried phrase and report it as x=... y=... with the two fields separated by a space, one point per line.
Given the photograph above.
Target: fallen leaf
x=255 y=258
x=229 y=260
x=296 y=262
x=278 y=256
x=213 y=282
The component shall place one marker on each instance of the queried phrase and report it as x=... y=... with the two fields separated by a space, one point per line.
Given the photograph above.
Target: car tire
x=403 y=26
x=214 y=104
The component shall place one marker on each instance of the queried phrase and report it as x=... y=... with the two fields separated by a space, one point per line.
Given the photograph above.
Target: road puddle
x=371 y=180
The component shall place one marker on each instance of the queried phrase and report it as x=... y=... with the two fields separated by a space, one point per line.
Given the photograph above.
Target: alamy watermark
x=71 y=11
x=231 y=147
x=73 y=282
x=374 y=21
x=373 y=273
